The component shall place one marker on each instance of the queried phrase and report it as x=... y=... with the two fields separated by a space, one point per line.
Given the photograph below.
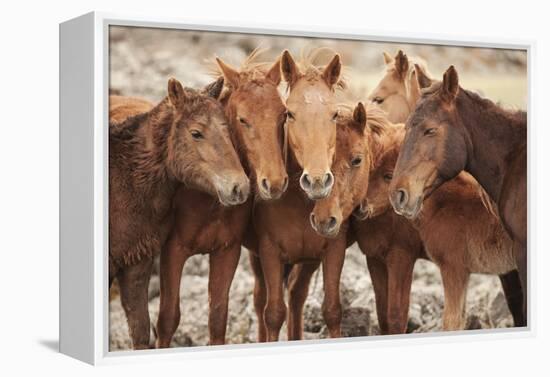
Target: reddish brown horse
x=453 y=129
x=355 y=147
x=283 y=231
x=256 y=115
x=392 y=244
x=152 y=151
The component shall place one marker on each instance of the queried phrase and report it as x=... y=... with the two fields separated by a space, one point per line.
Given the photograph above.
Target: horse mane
x=147 y=163
x=377 y=119
x=307 y=63
x=249 y=70
x=126 y=129
x=515 y=116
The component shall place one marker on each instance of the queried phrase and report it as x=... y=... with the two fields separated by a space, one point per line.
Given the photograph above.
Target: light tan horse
x=311 y=119
x=398 y=90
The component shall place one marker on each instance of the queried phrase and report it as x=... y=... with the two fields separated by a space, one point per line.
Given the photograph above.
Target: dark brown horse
x=392 y=244
x=183 y=139
x=453 y=129
x=282 y=228
x=256 y=114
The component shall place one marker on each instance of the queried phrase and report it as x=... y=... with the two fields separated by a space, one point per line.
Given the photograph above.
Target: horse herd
x=298 y=177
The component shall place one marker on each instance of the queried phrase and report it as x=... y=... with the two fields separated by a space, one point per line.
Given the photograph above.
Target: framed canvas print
x=229 y=189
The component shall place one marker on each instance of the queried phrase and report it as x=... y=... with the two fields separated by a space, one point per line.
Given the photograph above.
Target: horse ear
x=421 y=77
x=360 y=117
x=176 y=94
x=401 y=64
x=274 y=73
x=331 y=74
x=289 y=69
x=231 y=74
x=214 y=89
x=450 y=86
x=387 y=58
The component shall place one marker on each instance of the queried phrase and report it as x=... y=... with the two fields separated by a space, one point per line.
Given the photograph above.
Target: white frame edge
x=83 y=117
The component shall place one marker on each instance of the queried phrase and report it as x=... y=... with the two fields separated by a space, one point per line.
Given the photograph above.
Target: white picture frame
x=84 y=190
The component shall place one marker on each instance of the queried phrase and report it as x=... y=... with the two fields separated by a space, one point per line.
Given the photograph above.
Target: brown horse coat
x=453 y=129
x=150 y=153
x=283 y=233
x=255 y=114
x=455 y=230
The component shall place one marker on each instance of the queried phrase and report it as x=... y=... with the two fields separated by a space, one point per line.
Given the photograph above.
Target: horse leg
x=223 y=265
x=275 y=309
x=260 y=295
x=333 y=262
x=379 y=276
x=400 y=267
x=172 y=260
x=521 y=262
x=298 y=289
x=455 y=285
x=511 y=285
x=134 y=285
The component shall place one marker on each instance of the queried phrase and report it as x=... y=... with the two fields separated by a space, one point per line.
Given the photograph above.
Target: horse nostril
x=312 y=220
x=328 y=180
x=265 y=184
x=401 y=197
x=305 y=182
x=331 y=223
x=236 y=192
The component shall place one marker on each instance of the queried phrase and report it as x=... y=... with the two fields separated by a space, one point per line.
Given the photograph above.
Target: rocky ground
x=486 y=305
x=141 y=60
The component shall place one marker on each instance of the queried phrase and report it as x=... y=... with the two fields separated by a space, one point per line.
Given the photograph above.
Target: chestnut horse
x=283 y=234
x=398 y=90
x=453 y=129
x=356 y=146
x=152 y=151
x=256 y=114
x=311 y=119
x=392 y=243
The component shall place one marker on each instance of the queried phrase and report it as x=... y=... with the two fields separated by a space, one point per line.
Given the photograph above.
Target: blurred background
x=142 y=60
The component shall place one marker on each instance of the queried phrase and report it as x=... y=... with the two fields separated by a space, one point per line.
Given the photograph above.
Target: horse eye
x=290 y=115
x=197 y=134
x=335 y=116
x=430 y=131
x=378 y=100
x=388 y=177
x=244 y=122
x=356 y=161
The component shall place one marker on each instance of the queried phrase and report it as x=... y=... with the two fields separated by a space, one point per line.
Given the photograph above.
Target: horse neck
x=495 y=137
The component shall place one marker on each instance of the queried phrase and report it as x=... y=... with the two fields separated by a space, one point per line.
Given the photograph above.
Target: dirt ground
x=141 y=60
